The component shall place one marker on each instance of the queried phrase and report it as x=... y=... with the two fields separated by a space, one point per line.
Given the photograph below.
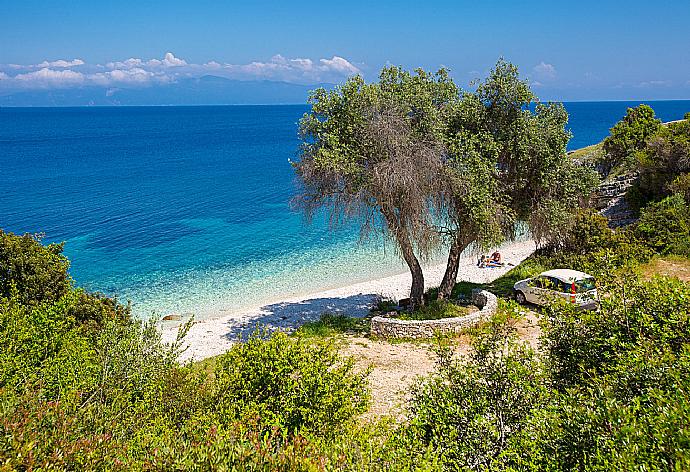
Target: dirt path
x=396 y=365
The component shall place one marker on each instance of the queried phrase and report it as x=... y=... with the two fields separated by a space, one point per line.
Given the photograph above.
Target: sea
x=187 y=209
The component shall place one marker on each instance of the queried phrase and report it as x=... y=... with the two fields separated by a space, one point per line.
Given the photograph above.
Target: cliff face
x=610 y=200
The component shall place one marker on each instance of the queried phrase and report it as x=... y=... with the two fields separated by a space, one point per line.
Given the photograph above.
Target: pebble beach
x=215 y=335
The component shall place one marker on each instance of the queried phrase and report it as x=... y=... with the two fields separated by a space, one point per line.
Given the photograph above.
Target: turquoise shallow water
x=186 y=209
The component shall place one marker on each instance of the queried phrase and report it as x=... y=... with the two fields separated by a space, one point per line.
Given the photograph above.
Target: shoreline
x=213 y=336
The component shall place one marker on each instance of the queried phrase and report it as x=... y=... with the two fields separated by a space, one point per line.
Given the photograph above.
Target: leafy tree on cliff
x=629 y=136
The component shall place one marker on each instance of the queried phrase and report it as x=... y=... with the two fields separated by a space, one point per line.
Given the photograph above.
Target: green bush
x=580 y=344
x=38 y=273
x=665 y=226
x=288 y=383
x=681 y=186
x=660 y=163
x=470 y=408
x=629 y=136
x=634 y=418
x=588 y=231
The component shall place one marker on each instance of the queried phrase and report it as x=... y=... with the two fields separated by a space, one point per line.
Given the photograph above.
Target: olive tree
x=506 y=163
x=372 y=152
x=629 y=135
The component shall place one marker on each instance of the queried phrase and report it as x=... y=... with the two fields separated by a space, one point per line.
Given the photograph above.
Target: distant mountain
x=206 y=90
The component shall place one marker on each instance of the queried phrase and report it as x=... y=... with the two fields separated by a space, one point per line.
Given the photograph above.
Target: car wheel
x=520 y=297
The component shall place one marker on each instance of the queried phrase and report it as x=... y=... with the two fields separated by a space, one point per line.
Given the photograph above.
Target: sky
x=585 y=50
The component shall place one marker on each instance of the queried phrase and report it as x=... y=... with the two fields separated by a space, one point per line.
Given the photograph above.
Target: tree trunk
x=417 y=289
x=407 y=250
x=451 y=275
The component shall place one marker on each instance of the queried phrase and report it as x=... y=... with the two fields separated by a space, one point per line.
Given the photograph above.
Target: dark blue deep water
x=187 y=208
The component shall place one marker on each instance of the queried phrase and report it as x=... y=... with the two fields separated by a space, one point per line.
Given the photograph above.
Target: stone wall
x=610 y=200
x=387 y=327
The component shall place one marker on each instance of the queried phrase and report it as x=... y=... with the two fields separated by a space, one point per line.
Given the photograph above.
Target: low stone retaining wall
x=386 y=327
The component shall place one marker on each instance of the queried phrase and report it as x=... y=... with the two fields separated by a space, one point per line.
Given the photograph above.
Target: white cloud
x=338 y=64
x=141 y=72
x=51 y=78
x=61 y=63
x=128 y=64
x=299 y=70
x=169 y=60
x=134 y=76
x=544 y=71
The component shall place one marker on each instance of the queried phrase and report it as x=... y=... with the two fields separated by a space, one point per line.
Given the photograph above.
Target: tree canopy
x=374 y=152
x=630 y=135
x=417 y=159
x=507 y=163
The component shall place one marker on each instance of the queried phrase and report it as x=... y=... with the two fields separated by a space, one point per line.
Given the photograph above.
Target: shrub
x=580 y=344
x=665 y=226
x=288 y=383
x=95 y=309
x=588 y=231
x=621 y=377
x=37 y=272
x=681 y=186
x=665 y=158
x=634 y=418
x=469 y=409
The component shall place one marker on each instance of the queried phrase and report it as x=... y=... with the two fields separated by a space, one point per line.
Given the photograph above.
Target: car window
x=536 y=282
x=553 y=283
x=584 y=285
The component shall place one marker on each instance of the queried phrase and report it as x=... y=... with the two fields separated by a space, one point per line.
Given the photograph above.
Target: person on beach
x=495 y=260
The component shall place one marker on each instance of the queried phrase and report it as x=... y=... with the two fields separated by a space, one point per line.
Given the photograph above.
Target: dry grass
x=588 y=154
x=394 y=366
x=669 y=266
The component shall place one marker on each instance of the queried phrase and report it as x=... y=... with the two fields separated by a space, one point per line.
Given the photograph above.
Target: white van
x=574 y=286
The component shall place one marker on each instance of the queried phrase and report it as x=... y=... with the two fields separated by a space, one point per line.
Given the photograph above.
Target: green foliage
x=507 y=163
x=623 y=421
x=84 y=387
x=288 y=383
x=629 y=136
x=622 y=384
x=665 y=226
x=470 y=408
x=580 y=344
x=665 y=158
x=588 y=232
x=38 y=273
x=330 y=325
x=681 y=186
